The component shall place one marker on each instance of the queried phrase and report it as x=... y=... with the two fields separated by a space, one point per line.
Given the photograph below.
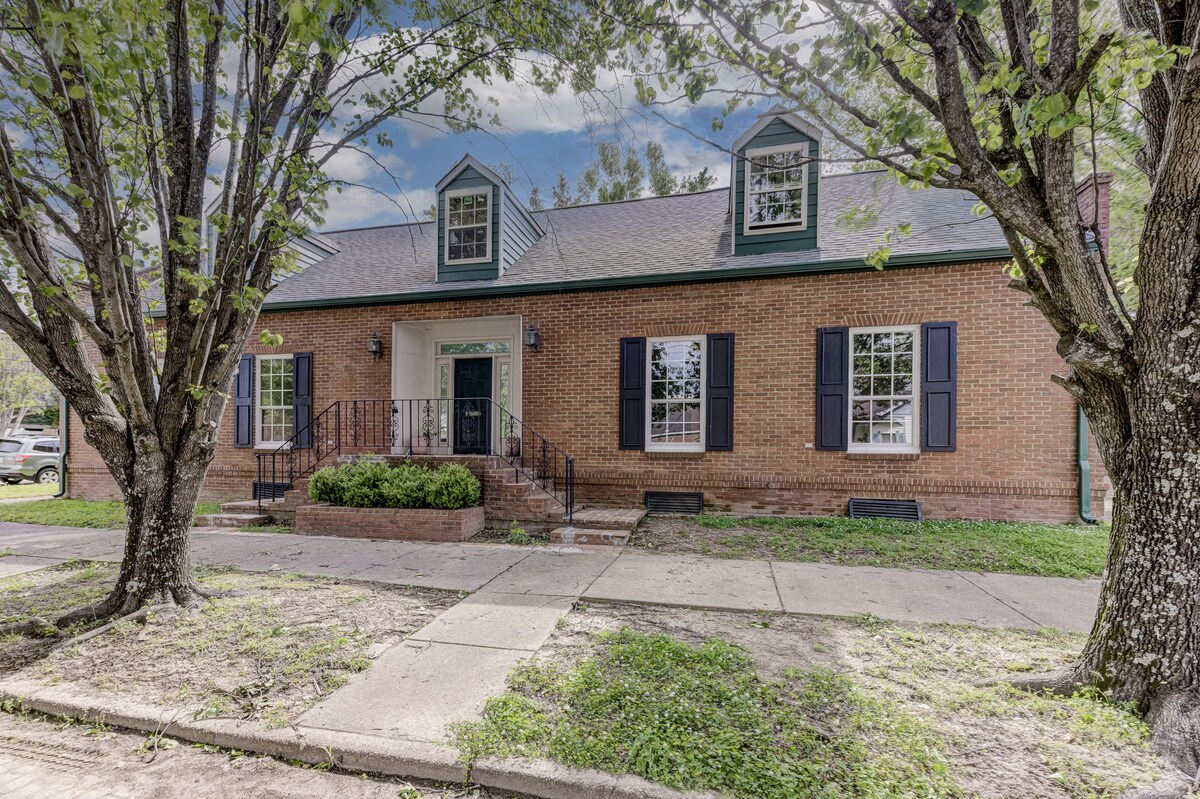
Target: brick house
x=729 y=347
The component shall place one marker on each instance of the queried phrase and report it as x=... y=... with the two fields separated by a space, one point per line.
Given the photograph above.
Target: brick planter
x=400 y=524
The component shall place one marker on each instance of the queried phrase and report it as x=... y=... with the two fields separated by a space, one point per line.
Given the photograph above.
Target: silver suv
x=36 y=459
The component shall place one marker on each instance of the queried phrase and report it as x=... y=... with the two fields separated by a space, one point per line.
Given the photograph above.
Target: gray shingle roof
x=648 y=238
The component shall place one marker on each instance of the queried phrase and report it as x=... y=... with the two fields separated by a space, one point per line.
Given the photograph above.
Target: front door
x=472 y=390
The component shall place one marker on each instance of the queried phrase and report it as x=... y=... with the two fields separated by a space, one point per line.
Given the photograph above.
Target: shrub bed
x=373 y=484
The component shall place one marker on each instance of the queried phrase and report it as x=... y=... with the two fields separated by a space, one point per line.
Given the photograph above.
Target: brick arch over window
x=890 y=319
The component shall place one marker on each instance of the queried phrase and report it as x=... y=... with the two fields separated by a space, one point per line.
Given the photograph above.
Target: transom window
x=473 y=347
x=274 y=404
x=676 y=379
x=468 y=227
x=776 y=189
x=883 y=395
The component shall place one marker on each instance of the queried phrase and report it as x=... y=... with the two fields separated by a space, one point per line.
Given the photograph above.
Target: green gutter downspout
x=64 y=435
x=1085 y=472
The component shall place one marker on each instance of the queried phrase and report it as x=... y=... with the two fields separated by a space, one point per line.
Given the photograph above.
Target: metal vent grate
x=268 y=490
x=908 y=510
x=674 y=502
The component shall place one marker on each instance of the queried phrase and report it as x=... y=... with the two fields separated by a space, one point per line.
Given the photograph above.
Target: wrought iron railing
x=417 y=427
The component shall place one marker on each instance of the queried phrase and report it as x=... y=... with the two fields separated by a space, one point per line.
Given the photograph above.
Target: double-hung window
x=776 y=189
x=275 y=399
x=884 y=369
x=468 y=226
x=676 y=380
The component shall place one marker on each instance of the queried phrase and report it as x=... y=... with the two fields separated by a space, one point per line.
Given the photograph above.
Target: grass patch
x=1012 y=548
x=27 y=490
x=695 y=717
x=813 y=708
x=77 y=513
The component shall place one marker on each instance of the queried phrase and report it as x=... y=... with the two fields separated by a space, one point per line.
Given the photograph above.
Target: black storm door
x=472 y=390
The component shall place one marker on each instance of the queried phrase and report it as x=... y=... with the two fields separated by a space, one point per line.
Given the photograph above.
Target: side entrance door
x=472 y=390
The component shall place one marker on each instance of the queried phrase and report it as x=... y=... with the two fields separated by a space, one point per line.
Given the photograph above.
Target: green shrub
x=368 y=483
x=452 y=486
x=406 y=487
x=330 y=484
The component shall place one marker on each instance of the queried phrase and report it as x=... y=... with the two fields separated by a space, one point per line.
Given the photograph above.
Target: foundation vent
x=269 y=490
x=674 y=502
x=908 y=510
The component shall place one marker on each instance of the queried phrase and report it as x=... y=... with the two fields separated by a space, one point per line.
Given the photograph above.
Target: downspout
x=64 y=437
x=1085 y=471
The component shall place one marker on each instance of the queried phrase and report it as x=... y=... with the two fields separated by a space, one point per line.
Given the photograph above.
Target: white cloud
x=359 y=206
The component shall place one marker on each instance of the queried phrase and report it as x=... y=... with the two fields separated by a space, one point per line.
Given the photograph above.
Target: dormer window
x=468 y=226
x=776 y=189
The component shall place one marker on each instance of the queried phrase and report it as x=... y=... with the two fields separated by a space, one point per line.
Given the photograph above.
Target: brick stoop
x=225 y=519
x=599 y=526
x=583 y=535
x=509 y=496
x=609 y=518
x=282 y=510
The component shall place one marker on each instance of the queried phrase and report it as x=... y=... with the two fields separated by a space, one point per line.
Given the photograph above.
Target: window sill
x=883 y=456
x=799 y=227
x=675 y=454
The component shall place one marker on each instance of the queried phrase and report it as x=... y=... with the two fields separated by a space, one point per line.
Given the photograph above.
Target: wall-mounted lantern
x=533 y=339
x=375 y=346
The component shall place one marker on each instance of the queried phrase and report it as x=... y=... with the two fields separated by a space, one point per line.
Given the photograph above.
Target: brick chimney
x=1092 y=194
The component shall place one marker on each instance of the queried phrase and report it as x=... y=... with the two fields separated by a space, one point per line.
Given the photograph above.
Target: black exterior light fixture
x=533 y=339
x=375 y=346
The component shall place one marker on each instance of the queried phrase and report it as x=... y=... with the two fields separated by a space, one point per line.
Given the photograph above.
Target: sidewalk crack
x=1016 y=610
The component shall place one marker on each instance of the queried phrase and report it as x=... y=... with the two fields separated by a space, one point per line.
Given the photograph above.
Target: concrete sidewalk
x=599 y=573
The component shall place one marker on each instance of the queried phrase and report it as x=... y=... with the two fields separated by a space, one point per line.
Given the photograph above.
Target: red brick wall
x=1016 y=430
x=391 y=523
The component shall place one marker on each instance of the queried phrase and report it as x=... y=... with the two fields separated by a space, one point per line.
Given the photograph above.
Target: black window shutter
x=243 y=403
x=720 y=392
x=632 y=420
x=939 y=386
x=833 y=387
x=302 y=398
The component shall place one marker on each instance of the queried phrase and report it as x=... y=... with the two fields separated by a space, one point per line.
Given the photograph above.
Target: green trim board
x=844 y=265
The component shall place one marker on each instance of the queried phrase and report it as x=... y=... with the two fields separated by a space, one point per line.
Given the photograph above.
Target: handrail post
x=570 y=491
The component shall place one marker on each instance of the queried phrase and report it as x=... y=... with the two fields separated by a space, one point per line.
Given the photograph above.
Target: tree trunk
x=1143 y=647
x=160 y=496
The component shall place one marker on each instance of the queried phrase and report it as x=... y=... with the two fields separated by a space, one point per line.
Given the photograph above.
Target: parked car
x=37 y=459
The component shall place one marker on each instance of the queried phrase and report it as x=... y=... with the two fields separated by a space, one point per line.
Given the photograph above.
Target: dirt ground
x=40 y=759
x=1001 y=744
x=269 y=650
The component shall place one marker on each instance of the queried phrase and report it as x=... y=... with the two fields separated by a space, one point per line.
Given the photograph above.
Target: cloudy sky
x=541 y=137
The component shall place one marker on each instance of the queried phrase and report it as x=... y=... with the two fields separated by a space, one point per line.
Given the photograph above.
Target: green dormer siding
x=518 y=231
x=775 y=134
x=469 y=178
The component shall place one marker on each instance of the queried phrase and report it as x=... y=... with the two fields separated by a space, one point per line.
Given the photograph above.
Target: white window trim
x=760 y=230
x=667 y=446
x=260 y=443
x=466 y=193
x=915 y=444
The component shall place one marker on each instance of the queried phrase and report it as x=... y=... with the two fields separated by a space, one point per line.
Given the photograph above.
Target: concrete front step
x=608 y=518
x=232 y=520
x=585 y=535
